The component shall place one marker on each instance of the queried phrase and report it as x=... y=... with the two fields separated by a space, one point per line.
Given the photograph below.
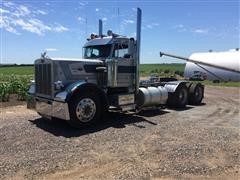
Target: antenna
x=43 y=55
x=86 y=34
x=118 y=20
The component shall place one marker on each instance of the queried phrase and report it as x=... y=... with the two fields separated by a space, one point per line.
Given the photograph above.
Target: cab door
x=126 y=68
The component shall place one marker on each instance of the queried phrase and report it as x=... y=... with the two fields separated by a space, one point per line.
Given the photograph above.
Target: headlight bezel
x=58 y=85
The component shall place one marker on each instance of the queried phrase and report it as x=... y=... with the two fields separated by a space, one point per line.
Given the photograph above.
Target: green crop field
x=17 y=70
x=145 y=69
x=16 y=79
x=162 y=69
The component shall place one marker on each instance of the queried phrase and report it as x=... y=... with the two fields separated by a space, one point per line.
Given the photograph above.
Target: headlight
x=61 y=96
x=32 y=88
x=58 y=85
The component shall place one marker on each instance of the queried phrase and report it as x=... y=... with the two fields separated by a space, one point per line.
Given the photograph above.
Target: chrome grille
x=43 y=79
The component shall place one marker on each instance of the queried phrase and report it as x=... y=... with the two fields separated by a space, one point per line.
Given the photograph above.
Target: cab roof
x=102 y=41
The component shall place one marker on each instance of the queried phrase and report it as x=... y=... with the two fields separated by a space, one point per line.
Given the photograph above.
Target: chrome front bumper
x=51 y=108
x=48 y=108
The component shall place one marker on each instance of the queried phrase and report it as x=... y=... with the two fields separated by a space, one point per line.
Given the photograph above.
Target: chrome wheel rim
x=86 y=109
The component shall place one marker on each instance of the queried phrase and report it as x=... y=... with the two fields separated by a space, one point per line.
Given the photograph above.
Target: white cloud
x=38 y=27
x=7 y=27
x=149 y=26
x=33 y=26
x=81 y=6
x=21 y=17
x=125 y=24
x=126 y=21
x=1 y=22
x=51 y=49
x=133 y=34
x=60 y=28
x=20 y=11
x=183 y=28
x=8 y=4
x=81 y=19
x=96 y=9
x=12 y=30
x=200 y=31
x=4 y=23
x=155 y=24
x=152 y=25
x=2 y=11
x=24 y=10
x=104 y=19
x=83 y=3
x=41 y=12
x=180 y=28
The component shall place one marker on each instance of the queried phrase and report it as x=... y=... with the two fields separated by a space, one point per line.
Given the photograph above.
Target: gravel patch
x=197 y=142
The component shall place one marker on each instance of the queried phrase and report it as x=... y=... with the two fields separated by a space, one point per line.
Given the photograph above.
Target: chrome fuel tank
x=152 y=96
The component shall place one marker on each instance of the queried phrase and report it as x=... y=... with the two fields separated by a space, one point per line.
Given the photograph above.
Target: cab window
x=120 y=51
x=101 y=51
x=95 y=52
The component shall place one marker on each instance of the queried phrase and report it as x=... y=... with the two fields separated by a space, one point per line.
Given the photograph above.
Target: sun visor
x=97 y=42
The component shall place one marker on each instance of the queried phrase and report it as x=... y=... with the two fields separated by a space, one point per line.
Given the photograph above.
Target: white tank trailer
x=81 y=91
x=222 y=66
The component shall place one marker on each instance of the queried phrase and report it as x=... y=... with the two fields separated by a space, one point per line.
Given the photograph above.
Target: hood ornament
x=43 y=55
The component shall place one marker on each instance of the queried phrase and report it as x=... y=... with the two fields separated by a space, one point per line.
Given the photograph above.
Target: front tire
x=85 y=110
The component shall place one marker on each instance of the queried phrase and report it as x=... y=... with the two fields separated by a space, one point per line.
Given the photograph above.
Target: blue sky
x=181 y=27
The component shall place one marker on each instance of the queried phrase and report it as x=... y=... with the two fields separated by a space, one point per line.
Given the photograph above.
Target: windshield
x=102 y=51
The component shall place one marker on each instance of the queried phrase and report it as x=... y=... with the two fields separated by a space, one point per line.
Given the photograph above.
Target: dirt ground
x=201 y=142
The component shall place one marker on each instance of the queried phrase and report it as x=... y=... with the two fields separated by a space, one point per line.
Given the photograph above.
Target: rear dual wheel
x=196 y=93
x=179 y=98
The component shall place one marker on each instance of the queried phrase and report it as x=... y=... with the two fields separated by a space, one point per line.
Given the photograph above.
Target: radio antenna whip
x=118 y=21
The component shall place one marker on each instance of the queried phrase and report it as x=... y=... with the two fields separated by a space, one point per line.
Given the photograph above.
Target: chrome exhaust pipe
x=100 y=27
x=138 y=44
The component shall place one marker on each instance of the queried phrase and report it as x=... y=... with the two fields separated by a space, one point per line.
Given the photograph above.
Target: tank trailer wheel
x=85 y=110
x=196 y=92
x=179 y=98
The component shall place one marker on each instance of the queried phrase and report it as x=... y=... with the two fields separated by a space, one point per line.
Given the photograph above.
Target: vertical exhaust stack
x=100 y=30
x=138 y=44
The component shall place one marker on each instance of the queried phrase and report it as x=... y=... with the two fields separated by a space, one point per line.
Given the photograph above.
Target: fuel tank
x=152 y=96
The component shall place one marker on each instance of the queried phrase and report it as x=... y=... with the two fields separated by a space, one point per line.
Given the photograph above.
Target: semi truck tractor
x=81 y=91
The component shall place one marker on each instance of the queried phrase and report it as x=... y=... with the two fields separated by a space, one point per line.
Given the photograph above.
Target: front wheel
x=84 y=110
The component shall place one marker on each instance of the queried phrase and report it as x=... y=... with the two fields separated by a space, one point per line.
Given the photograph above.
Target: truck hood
x=67 y=70
x=68 y=61
x=76 y=59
